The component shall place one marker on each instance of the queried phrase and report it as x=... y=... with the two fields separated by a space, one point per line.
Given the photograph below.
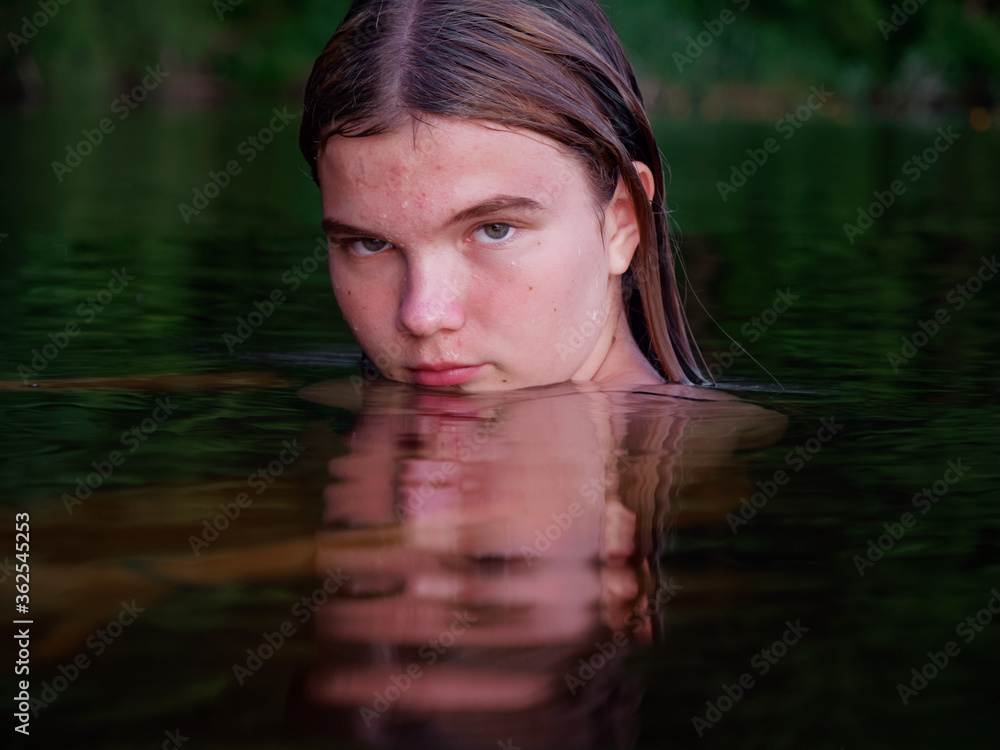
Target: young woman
x=494 y=197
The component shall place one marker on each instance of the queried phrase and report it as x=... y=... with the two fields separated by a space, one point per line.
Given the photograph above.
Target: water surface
x=342 y=524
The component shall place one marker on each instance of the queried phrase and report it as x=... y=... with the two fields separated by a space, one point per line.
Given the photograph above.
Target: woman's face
x=464 y=253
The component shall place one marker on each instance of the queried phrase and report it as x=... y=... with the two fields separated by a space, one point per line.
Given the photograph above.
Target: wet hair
x=555 y=67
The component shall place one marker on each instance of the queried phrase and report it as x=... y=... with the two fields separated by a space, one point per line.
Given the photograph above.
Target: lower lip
x=454 y=376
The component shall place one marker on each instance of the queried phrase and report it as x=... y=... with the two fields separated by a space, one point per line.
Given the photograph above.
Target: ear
x=620 y=223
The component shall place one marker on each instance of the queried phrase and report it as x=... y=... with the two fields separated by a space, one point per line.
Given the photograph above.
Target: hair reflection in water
x=505 y=553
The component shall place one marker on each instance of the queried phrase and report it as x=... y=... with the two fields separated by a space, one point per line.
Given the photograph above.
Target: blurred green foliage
x=940 y=53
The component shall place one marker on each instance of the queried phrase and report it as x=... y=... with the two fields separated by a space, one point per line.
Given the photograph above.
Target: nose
x=431 y=300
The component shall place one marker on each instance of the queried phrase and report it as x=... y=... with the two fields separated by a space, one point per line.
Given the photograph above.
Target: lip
x=444 y=373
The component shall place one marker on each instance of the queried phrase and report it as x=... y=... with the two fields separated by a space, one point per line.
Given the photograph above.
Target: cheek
x=578 y=285
x=549 y=314
x=581 y=318
x=366 y=305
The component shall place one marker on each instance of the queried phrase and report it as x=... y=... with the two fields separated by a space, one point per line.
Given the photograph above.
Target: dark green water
x=796 y=560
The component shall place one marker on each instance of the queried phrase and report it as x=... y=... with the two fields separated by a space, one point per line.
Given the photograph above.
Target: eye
x=367 y=245
x=493 y=233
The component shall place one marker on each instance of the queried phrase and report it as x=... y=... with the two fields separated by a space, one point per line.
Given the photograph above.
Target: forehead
x=445 y=160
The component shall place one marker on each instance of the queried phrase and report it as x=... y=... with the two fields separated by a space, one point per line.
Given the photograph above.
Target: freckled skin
x=536 y=304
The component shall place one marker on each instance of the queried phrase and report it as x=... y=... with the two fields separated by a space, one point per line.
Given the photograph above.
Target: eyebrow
x=491 y=206
x=494 y=205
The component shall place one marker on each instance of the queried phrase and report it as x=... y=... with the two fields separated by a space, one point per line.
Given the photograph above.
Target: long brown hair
x=552 y=66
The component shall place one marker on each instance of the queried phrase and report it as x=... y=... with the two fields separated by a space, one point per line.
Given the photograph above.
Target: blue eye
x=367 y=245
x=495 y=232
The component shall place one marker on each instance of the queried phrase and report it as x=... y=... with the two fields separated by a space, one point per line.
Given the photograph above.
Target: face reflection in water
x=502 y=557
x=484 y=566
